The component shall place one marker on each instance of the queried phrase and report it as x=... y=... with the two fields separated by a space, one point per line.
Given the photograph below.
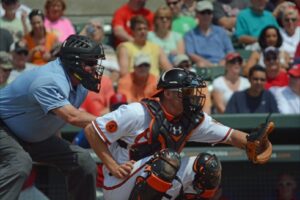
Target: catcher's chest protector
x=163 y=133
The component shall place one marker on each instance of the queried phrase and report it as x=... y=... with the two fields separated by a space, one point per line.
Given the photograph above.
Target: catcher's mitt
x=259 y=148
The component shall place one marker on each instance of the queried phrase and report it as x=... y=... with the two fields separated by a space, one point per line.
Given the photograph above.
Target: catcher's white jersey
x=131 y=124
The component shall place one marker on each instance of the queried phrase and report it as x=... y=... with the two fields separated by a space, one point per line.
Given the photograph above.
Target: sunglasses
x=174 y=3
x=235 y=61
x=205 y=12
x=290 y=19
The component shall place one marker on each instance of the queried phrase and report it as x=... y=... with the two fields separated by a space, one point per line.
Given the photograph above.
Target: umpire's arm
x=74 y=116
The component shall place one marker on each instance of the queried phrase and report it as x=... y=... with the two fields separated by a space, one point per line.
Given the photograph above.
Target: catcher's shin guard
x=161 y=171
x=207 y=178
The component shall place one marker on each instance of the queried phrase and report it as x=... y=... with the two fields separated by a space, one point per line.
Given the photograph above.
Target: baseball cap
x=204 y=5
x=295 y=71
x=142 y=59
x=233 y=55
x=270 y=52
x=180 y=58
x=116 y=100
x=5 y=60
x=19 y=47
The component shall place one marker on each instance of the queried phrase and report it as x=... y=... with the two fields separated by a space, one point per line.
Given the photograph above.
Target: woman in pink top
x=55 y=22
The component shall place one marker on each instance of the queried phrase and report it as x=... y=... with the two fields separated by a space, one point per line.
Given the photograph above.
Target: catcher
x=140 y=143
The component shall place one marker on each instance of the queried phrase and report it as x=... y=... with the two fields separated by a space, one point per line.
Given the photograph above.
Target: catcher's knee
x=161 y=171
x=207 y=178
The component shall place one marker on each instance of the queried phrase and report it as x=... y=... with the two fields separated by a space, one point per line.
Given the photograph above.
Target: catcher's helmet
x=188 y=84
x=207 y=177
x=78 y=51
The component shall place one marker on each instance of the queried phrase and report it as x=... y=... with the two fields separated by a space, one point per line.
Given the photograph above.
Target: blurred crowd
x=254 y=43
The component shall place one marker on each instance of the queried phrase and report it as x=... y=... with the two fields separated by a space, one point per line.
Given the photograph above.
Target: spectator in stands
x=39 y=41
x=297 y=55
x=269 y=37
x=290 y=31
x=6 y=39
x=183 y=61
x=180 y=23
x=127 y=51
x=276 y=75
x=121 y=25
x=188 y=8
x=225 y=86
x=94 y=30
x=207 y=44
x=5 y=67
x=16 y=26
x=171 y=42
x=251 y=21
x=19 y=52
x=286 y=188
x=282 y=5
x=55 y=21
x=140 y=83
x=254 y=99
x=225 y=12
x=21 y=10
x=288 y=97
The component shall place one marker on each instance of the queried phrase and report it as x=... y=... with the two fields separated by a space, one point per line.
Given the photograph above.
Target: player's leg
x=159 y=174
x=15 y=166
x=73 y=161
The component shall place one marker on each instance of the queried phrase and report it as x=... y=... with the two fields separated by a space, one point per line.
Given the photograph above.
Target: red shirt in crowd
x=281 y=80
x=123 y=15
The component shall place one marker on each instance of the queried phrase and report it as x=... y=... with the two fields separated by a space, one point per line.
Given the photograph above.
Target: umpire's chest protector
x=165 y=133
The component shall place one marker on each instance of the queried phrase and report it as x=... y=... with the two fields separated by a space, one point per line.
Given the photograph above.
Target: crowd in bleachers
x=193 y=34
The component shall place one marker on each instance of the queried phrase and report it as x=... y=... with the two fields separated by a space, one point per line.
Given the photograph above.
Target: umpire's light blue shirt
x=26 y=102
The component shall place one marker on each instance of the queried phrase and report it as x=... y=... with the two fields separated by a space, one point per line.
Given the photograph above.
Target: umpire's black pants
x=74 y=162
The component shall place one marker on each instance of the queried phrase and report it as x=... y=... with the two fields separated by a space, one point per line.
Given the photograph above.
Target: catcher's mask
x=188 y=86
x=207 y=178
x=78 y=52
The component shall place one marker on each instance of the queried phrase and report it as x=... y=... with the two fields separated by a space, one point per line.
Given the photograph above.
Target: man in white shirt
x=19 y=53
x=288 y=97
